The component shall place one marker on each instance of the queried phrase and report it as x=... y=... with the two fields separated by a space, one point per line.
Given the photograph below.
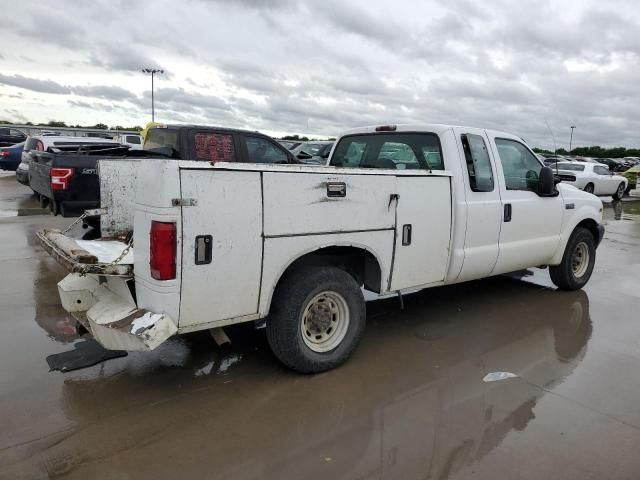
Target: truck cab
x=397 y=208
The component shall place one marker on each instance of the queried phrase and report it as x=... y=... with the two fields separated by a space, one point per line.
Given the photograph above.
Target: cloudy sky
x=319 y=67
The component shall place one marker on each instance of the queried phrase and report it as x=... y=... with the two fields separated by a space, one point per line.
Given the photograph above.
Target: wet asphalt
x=410 y=404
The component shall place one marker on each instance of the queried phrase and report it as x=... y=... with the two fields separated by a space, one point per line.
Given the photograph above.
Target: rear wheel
x=577 y=262
x=619 y=192
x=589 y=188
x=317 y=319
x=44 y=201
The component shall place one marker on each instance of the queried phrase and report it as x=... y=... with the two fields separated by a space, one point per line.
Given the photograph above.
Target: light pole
x=152 y=71
x=571 y=139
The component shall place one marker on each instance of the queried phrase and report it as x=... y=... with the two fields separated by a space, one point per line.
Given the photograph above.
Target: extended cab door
x=530 y=229
x=483 y=204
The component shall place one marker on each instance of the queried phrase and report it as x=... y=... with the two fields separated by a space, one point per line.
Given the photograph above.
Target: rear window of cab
x=394 y=151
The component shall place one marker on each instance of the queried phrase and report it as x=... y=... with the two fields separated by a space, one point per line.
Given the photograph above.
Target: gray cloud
x=34 y=84
x=286 y=64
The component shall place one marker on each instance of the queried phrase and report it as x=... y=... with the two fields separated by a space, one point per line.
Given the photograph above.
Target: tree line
x=595 y=151
x=55 y=123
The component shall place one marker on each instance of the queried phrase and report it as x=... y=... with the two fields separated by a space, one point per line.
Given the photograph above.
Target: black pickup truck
x=66 y=177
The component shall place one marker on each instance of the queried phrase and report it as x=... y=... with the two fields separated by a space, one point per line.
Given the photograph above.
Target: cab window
x=162 y=138
x=394 y=151
x=478 y=163
x=214 y=147
x=520 y=167
x=261 y=150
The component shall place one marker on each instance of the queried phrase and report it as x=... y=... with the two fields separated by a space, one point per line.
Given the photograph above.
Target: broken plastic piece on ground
x=85 y=354
x=496 y=376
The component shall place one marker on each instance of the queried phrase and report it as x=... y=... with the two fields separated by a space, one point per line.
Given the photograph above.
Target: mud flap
x=109 y=312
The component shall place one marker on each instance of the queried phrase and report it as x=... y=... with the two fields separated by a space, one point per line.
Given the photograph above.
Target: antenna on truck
x=555 y=147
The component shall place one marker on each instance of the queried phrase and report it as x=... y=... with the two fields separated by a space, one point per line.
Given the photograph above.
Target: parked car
x=313 y=152
x=614 y=164
x=632 y=177
x=43 y=143
x=220 y=243
x=134 y=142
x=10 y=156
x=593 y=178
x=11 y=136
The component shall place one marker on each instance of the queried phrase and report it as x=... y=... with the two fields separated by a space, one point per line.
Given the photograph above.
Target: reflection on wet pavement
x=411 y=403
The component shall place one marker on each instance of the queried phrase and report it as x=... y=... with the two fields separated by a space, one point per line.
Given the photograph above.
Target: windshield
x=162 y=138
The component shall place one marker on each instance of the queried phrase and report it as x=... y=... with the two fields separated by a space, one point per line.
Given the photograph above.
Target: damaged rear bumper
x=105 y=306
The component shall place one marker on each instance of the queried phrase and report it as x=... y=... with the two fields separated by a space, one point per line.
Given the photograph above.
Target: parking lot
x=411 y=403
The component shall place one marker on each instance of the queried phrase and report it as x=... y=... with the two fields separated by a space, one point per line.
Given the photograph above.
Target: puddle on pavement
x=412 y=398
x=628 y=209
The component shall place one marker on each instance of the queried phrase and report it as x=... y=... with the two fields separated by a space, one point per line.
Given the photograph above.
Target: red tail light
x=60 y=178
x=4 y=153
x=162 y=248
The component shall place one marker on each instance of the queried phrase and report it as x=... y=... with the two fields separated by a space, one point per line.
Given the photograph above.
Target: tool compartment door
x=303 y=203
x=221 y=245
x=423 y=231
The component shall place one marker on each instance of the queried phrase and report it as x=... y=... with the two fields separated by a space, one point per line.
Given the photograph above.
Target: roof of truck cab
x=437 y=128
x=207 y=127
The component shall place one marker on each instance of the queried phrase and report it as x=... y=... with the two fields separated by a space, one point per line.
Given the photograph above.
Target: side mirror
x=304 y=156
x=546 y=183
x=326 y=154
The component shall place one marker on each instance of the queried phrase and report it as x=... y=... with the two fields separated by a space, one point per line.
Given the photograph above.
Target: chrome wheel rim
x=324 y=321
x=620 y=190
x=580 y=260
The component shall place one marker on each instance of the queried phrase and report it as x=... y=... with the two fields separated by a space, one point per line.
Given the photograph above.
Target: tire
x=589 y=188
x=44 y=201
x=619 y=192
x=316 y=300
x=577 y=263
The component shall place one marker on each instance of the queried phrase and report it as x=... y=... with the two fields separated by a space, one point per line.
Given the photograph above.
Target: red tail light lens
x=162 y=248
x=4 y=153
x=60 y=178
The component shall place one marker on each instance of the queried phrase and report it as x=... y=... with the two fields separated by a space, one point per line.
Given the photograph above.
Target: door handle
x=406 y=235
x=336 y=189
x=507 y=212
x=203 y=249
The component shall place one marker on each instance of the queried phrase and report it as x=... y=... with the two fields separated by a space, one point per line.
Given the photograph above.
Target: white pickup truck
x=397 y=209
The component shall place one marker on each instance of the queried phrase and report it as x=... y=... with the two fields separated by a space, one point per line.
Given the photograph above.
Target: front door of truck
x=531 y=225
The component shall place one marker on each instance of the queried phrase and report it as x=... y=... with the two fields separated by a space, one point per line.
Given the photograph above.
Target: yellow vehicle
x=632 y=176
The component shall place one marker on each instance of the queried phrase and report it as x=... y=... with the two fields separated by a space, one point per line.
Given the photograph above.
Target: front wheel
x=317 y=318
x=577 y=262
x=619 y=192
x=589 y=188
